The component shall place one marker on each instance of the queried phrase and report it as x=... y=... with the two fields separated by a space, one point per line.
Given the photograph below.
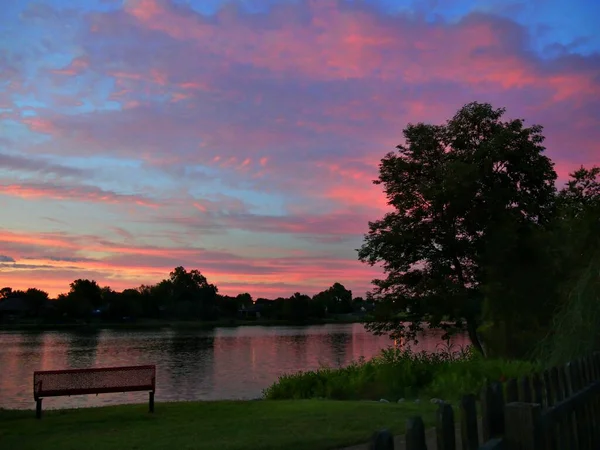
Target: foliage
x=223 y=425
x=458 y=192
x=335 y=300
x=397 y=373
x=575 y=328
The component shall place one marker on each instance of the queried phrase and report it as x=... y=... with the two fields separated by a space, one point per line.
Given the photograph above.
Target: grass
x=222 y=425
x=396 y=374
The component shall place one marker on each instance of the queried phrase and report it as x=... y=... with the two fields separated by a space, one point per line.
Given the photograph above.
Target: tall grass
x=576 y=328
x=398 y=373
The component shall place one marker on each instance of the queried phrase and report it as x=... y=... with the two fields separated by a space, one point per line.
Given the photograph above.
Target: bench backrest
x=52 y=383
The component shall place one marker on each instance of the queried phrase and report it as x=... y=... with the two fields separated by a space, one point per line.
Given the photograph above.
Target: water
x=224 y=363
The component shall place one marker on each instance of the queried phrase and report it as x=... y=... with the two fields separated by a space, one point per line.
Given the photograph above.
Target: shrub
x=397 y=373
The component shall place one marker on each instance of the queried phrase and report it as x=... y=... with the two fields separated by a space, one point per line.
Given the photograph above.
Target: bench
x=57 y=383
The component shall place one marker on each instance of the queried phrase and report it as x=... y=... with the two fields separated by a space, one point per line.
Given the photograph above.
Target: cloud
x=121 y=266
x=75 y=192
x=23 y=164
x=254 y=134
x=4 y=258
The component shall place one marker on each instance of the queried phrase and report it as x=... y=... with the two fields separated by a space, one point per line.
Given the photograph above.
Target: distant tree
x=5 y=292
x=126 y=304
x=582 y=191
x=228 y=306
x=337 y=299
x=244 y=300
x=454 y=190
x=268 y=307
x=36 y=299
x=192 y=294
x=296 y=307
x=86 y=291
x=73 y=307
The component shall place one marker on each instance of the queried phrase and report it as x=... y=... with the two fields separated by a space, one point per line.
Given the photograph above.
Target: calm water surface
x=224 y=363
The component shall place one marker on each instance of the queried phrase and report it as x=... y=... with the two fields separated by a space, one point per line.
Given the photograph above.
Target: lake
x=223 y=363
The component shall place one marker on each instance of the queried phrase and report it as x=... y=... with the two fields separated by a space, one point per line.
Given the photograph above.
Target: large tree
x=454 y=191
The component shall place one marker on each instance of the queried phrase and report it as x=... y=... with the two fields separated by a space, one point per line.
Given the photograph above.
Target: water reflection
x=225 y=363
x=81 y=349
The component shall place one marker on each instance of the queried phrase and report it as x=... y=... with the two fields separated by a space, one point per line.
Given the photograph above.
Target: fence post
x=523 y=426
x=445 y=434
x=512 y=391
x=588 y=409
x=415 y=434
x=524 y=390
x=536 y=382
x=468 y=423
x=382 y=440
x=547 y=380
x=492 y=411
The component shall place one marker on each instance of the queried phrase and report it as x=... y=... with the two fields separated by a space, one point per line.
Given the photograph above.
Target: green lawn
x=290 y=425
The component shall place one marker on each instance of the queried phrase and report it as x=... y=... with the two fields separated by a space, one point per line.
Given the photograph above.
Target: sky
x=241 y=138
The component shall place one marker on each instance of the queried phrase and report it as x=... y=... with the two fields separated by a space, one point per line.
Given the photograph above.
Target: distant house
x=13 y=308
x=250 y=312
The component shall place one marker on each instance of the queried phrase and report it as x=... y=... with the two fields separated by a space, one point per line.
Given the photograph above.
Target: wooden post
x=536 y=382
x=382 y=440
x=498 y=411
x=151 y=401
x=552 y=398
x=38 y=408
x=487 y=402
x=523 y=427
x=468 y=423
x=445 y=434
x=492 y=411
x=512 y=391
x=573 y=375
x=415 y=434
x=588 y=411
x=547 y=381
x=524 y=390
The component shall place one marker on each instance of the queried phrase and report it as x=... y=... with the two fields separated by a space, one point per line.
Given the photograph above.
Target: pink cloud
x=78 y=193
x=75 y=67
x=297 y=104
x=344 y=42
x=123 y=267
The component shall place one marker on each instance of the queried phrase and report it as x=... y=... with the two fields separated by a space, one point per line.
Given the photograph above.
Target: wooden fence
x=553 y=410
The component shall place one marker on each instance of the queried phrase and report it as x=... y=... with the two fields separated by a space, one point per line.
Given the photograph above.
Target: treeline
x=185 y=295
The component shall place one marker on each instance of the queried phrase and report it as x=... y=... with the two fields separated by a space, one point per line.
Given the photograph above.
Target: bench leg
x=151 y=401
x=38 y=408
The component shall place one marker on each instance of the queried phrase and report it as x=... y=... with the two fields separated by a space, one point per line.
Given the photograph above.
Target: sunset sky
x=241 y=137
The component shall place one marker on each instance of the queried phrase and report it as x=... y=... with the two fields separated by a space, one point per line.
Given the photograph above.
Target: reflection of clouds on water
x=339 y=343
x=81 y=349
x=189 y=362
x=224 y=363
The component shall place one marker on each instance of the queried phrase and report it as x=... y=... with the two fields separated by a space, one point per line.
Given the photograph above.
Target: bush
x=397 y=373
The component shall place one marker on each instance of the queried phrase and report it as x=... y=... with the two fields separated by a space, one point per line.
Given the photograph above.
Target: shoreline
x=171 y=324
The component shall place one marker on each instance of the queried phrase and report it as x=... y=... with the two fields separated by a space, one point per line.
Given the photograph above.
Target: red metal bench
x=56 y=383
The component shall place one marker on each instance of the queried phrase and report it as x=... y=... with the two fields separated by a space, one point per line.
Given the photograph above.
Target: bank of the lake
x=258 y=425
